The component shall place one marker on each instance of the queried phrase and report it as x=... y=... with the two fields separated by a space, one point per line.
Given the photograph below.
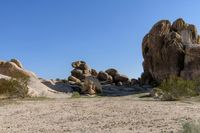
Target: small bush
x=175 y=88
x=14 y=87
x=193 y=127
x=76 y=94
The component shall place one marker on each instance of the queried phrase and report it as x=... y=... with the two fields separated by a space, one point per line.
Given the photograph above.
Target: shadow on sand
x=116 y=91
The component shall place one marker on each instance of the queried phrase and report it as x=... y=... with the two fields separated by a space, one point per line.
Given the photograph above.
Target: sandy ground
x=92 y=115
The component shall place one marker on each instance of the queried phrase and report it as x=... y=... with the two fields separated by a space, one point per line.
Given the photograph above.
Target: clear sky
x=47 y=35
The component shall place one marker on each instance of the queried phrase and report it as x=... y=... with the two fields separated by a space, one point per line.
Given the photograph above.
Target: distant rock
x=91 y=86
x=94 y=73
x=103 y=76
x=121 y=78
x=113 y=72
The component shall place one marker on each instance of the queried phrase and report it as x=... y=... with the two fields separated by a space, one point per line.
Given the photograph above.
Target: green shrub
x=14 y=87
x=175 y=88
x=193 y=127
x=76 y=94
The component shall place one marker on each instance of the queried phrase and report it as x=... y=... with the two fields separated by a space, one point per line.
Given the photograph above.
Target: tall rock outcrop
x=171 y=49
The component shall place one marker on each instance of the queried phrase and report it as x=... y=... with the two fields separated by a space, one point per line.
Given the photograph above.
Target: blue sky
x=47 y=35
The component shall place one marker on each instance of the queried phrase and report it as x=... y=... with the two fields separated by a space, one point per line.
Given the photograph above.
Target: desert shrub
x=76 y=94
x=192 y=127
x=14 y=87
x=175 y=88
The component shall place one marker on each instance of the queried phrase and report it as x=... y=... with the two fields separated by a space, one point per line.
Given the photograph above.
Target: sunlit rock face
x=171 y=49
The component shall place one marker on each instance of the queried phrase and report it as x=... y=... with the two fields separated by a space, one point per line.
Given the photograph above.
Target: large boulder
x=103 y=76
x=17 y=62
x=77 y=73
x=91 y=86
x=170 y=50
x=113 y=72
x=13 y=70
x=94 y=73
x=121 y=78
x=192 y=62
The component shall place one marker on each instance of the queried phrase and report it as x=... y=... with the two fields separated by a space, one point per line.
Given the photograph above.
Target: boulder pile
x=111 y=76
x=171 y=49
x=84 y=78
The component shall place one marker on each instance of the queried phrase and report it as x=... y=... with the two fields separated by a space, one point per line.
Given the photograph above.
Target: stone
x=94 y=73
x=191 y=62
x=77 y=73
x=77 y=64
x=121 y=78
x=80 y=65
x=103 y=76
x=134 y=82
x=170 y=50
x=119 y=84
x=112 y=72
x=91 y=86
x=13 y=70
x=74 y=79
x=17 y=62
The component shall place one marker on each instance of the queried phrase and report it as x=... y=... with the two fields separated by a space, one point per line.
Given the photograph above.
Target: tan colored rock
x=74 y=79
x=80 y=65
x=17 y=62
x=179 y=25
x=91 y=86
x=191 y=62
x=94 y=73
x=112 y=72
x=77 y=73
x=121 y=78
x=103 y=76
x=13 y=70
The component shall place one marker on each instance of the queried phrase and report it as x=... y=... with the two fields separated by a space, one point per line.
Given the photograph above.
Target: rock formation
x=81 y=71
x=85 y=78
x=14 y=69
x=171 y=50
x=91 y=86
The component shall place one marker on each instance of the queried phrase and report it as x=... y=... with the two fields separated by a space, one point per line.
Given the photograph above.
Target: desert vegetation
x=15 y=87
x=176 y=88
x=191 y=127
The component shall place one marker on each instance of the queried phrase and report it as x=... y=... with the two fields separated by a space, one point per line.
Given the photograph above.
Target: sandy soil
x=92 y=115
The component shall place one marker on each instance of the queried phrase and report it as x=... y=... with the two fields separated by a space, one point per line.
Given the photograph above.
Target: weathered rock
x=192 y=62
x=17 y=62
x=59 y=86
x=80 y=65
x=77 y=64
x=13 y=70
x=134 y=82
x=78 y=74
x=179 y=25
x=91 y=86
x=103 y=76
x=113 y=72
x=121 y=78
x=94 y=73
x=74 y=79
x=119 y=84
x=110 y=79
x=167 y=51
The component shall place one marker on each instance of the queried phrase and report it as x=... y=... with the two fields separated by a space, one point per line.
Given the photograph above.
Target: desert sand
x=122 y=114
